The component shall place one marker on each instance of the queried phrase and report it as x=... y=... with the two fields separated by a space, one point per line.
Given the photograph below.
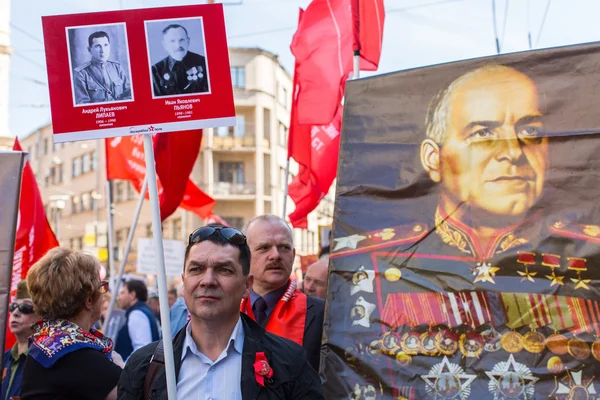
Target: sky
x=417 y=33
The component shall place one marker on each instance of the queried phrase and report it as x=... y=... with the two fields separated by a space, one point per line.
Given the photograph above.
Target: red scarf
x=289 y=316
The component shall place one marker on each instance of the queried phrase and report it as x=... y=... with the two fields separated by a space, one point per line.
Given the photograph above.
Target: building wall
x=241 y=167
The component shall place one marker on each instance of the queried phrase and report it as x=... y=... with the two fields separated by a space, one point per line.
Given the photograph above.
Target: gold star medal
x=534 y=342
x=411 y=343
x=485 y=272
x=471 y=344
x=578 y=348
x=512 y=342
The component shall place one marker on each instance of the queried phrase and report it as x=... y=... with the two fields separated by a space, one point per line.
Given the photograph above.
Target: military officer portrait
x=179 y=71
x=100 y=78
x=467 y=223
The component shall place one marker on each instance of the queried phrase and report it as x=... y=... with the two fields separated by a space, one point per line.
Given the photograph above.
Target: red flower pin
x=262 y=368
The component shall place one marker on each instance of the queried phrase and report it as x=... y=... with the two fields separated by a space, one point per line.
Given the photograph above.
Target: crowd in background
x=66 y=349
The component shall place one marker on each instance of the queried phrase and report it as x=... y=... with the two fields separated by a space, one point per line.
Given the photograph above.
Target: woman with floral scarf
x=68 y=359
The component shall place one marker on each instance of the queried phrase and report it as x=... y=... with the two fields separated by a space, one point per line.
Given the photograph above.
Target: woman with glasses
x=68 y=359
x=21 y=318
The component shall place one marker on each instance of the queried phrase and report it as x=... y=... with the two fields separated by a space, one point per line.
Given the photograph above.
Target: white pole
x=109 y=210
x=356 y=71
x=119 y=277
x=285 y=188
x=163 y=296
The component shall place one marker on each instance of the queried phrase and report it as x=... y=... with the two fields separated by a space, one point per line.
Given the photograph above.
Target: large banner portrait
x=466 y=249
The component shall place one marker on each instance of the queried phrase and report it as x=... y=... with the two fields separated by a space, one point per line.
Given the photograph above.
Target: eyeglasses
x=103 y=288
x=24 y=308
x=232 y=235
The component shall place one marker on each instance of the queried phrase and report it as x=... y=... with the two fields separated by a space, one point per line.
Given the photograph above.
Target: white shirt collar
x=236 y=340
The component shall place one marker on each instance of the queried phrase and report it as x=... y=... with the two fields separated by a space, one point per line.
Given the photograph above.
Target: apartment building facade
x=241 y=167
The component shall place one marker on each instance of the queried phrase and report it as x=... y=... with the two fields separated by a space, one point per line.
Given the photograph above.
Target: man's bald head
x=315 y=281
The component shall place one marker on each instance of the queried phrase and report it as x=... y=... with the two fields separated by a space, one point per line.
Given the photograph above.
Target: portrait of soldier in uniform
x=100 y=79
x=182 y=71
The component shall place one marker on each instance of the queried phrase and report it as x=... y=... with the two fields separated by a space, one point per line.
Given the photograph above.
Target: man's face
x=176 y=43
x=100 y=49
x=126 y=298
x=154 y=305
x=19 y=323
x=493 y=158
x=213 y=281
x=315 y=282
x=272 y=254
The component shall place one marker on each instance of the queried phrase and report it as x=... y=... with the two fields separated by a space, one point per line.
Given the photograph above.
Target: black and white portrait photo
x=177 y=54
x=99 y=62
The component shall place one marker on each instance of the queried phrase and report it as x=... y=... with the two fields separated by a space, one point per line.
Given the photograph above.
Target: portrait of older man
x=182 y=71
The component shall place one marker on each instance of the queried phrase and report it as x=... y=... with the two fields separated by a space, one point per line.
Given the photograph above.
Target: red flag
x=323 y=47
x=125 y=160
x=313 y=182
x=34 y=236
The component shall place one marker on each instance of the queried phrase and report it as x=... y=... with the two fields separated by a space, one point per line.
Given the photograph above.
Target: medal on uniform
x=557 y=343
x=512 y=342
x=555 y=365
x=448 y=342
x=511 y=380
x=167 y=76
x=411 y=342
x=596 y=349
x=429 y=343
x=578 y=348
x=534 y=342
x=491 y=338
x=471 y=344
x=575 y=386
x=361 y=313
x=362 y=281
x=403 y=359
x=448 y=381
x=390 y=343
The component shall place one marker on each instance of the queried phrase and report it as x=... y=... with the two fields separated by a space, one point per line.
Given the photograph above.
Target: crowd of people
x=242 y=328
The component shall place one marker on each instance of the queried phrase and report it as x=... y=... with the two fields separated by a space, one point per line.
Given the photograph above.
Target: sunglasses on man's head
x=232 y=235
x=24 y=308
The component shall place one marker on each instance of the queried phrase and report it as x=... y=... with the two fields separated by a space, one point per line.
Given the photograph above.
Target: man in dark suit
x=182 y=71
x=275 y=302
x=221 y=353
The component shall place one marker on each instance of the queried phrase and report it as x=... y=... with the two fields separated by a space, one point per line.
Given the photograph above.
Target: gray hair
x=437 y=119
x=271 y=219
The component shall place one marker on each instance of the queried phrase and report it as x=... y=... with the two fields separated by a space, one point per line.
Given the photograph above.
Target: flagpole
x=163 y=296
x=117 y=286
x=285 y=188
x=356 y=72
x=109 y=209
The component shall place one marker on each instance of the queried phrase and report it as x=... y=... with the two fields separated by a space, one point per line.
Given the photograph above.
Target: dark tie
x=260 y=310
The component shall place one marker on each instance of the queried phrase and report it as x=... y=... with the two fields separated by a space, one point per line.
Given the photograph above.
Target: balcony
x=234 y=189
x=247 y=143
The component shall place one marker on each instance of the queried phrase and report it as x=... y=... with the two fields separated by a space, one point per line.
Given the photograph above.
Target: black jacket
x=293 y=377
x=313 y=329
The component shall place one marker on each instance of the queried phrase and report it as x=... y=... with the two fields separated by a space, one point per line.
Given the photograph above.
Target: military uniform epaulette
x=83 y=66
x=378 y=239
x=574 y=230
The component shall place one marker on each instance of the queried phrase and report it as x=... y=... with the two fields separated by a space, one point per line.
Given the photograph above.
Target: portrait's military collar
x=98 y=63
x=171 y=61
x=458 y=235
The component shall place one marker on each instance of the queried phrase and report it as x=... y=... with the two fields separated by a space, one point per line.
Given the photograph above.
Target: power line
x=543 y=22
x=527 y=10
x=29 y=60
x=495 y=26
x=24 y=32
x=505 y=20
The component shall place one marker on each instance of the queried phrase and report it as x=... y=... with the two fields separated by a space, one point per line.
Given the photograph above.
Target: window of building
x=94 y=161
x=283 y=135
x=92 y=200
x=223 y=131
x=130 y=191
x=177 y=226
x=267 y=123
x=74 y=204
x=45 y=146
x=235 y=222
x=76 y=167
x=238 y=77
x=119 y=192
x=232 y=172
x=86 y=163
x=59 y=173
x=86 y=202
x=284 y=99
x=149 y=230
x=240 y=126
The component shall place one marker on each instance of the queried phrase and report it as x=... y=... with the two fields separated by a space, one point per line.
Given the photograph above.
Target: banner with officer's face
x=466 y=250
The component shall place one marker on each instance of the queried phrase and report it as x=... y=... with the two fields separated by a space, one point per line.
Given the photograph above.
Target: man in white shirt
x=221 y=354
x=142 y=326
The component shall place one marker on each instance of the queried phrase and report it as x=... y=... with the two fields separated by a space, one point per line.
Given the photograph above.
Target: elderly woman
x=68 y=359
